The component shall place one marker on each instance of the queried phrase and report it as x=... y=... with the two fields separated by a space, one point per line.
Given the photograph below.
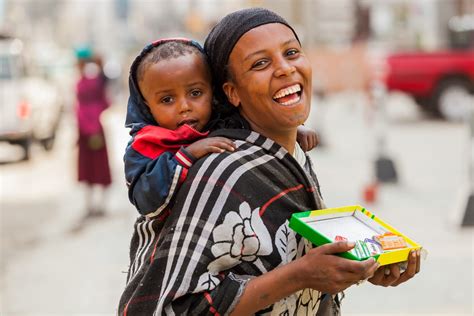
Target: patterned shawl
x=229 y=224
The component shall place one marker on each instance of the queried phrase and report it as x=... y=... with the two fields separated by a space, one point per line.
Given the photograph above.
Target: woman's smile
x=289 y=95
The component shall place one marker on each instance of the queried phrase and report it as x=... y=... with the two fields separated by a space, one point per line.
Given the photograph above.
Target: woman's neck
x=286 y=138
x=288 y=143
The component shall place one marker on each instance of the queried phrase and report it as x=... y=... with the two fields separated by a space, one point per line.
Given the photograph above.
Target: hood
x=138 y=114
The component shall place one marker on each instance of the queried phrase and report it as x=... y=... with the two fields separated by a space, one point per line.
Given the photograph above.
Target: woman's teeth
x=289 y=95
x=286 y=91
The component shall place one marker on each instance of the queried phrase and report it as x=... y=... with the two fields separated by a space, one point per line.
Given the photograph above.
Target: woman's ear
x=231 y=93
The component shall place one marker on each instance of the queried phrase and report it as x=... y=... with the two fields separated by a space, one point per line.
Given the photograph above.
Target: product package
x=373 y=237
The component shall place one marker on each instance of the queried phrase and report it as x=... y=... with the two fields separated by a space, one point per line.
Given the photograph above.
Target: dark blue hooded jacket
x=156 y=161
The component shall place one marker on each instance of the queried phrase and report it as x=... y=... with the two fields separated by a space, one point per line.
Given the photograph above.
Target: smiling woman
x=270 y=82
x=226 y=247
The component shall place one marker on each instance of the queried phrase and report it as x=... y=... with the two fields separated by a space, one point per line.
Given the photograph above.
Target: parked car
x=31 y=105
x=439 y=81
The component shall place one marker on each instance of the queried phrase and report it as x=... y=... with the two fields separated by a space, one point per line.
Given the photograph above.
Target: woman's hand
x=319 y=269
x=322 y=270
x=391 y=276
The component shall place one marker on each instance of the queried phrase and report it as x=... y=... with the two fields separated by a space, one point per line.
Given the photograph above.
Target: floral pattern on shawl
x=286 y=244
x=241 y=237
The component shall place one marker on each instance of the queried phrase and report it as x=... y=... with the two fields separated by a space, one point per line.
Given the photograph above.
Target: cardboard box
x=354 y=223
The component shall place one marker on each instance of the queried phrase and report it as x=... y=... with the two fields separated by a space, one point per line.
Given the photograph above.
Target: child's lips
x=190 y=122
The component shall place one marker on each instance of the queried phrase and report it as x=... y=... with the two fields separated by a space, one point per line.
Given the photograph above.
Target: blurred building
x=336 y=33
x=422 y=23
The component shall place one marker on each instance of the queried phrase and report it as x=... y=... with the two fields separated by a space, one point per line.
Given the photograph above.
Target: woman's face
x=270 y=80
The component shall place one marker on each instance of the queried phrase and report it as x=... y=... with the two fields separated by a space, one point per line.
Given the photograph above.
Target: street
x=50 y=268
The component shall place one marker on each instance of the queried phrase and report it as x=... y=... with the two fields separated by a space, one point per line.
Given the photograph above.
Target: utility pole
x=385 y=170
x=468 y=219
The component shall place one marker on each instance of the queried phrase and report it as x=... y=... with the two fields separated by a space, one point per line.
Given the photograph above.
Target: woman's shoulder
x=252 y=141
x=254 y=156
x=243 y=153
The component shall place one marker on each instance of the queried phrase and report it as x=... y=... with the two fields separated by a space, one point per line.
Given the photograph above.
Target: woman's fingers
x=355 y=270
x=378 y=276
x=372 y=268
x=328 y=272
x=362 y=270
x=412 y=268
x=391 y=276
x=418 y=261
x=342 y=273
x=336 y=247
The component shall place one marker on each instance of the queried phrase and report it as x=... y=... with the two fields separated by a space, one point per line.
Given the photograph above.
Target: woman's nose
x=284 y=68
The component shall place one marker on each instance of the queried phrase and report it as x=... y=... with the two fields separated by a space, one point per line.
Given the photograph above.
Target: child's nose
x=185 y=106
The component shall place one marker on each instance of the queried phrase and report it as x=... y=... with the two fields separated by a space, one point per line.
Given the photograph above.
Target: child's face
x=178 y=91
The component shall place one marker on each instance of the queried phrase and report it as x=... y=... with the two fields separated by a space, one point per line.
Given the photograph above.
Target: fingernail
x=351 y=244
x=418 y=252
x=413 y=254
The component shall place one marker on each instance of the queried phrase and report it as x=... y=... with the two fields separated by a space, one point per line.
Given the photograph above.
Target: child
x=169 y=107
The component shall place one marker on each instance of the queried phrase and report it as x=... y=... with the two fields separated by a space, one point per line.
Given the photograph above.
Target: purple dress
x=93 y=162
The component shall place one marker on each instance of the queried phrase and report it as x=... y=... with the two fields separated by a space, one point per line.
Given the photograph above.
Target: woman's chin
x=295 y=112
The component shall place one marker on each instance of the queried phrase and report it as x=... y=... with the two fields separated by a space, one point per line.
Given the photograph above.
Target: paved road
x=48 y=269
x=432 y=161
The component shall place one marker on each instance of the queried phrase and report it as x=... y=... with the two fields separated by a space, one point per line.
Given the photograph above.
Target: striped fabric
x=216 y=238
x=183 y=159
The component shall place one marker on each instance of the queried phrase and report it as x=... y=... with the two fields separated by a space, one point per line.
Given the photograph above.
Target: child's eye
x=196 y=93
x=292 y=52
x=167 y=100
x=260 y=64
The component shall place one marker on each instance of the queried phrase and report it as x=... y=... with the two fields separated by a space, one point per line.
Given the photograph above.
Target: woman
x=93 y=163
x=226 y=247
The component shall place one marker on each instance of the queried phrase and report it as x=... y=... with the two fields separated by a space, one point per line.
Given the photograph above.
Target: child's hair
x=168 y=49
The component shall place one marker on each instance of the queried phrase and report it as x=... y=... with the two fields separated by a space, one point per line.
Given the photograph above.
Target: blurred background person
x=93 y=163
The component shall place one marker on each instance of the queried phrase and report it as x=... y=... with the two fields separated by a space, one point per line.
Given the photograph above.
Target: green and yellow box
x=353 y=223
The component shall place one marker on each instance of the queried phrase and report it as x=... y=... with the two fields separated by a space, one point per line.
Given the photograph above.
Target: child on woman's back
x=168 y=112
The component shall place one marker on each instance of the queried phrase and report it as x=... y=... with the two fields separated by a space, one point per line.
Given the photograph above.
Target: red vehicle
x=441 y=82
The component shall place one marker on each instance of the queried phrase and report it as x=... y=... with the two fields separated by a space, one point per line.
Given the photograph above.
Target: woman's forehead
x=262 y=38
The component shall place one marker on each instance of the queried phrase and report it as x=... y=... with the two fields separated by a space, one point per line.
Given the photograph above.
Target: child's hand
x=307 y=138
x=210 y=145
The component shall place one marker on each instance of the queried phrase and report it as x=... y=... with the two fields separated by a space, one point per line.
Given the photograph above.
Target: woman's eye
x=166 y=100
x=292 y=52
x=260 y=64
x=196 y=93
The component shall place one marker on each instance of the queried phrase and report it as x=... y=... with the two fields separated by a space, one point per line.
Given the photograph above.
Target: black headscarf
x=224 y=35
